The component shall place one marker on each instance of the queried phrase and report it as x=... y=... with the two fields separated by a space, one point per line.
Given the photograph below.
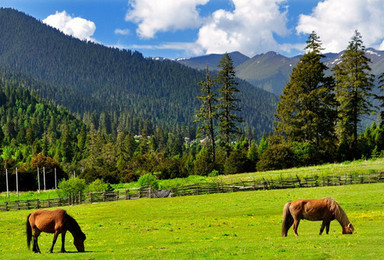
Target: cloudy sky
x=185 y=28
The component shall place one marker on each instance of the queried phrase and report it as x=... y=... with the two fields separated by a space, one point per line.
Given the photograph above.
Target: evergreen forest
x=70 y=107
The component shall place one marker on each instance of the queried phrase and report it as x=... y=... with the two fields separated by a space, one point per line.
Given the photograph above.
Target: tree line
x=317 y=120
x=319 y=116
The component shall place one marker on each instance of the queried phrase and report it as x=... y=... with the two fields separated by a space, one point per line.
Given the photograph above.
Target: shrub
x=203 y=163
x=305 y=153
x=279 y=156
x=148 y=179
x=98 y=185
x=213 y=173
x=71 y=187
x=237 y=162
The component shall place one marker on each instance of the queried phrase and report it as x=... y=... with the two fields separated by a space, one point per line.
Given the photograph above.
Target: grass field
x=346 y=168
x=244 y=225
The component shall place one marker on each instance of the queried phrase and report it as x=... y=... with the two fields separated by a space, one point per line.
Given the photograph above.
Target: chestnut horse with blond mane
x=56 y=222
x=326 y=209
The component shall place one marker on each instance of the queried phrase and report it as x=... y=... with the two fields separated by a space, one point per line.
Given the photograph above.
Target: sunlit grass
x=245 y=225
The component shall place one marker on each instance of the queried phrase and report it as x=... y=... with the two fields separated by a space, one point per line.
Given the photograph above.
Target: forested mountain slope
x=29 y=125
x=90 y=78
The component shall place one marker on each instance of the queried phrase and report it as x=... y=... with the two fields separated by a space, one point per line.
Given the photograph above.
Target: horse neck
x=73 y=227
x=341 y=217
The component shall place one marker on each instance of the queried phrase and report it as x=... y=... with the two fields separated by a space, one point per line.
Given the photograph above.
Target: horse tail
x=287 y=220
x=29 y=232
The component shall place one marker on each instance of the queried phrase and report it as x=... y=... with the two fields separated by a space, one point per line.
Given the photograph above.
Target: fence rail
x=197 y=189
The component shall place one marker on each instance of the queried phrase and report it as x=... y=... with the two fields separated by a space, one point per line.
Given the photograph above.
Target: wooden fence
x=198 y=189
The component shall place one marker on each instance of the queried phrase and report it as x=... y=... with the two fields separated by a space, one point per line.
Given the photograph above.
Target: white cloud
x=122 y=31
x=336 y=20
x=153 y=16
x=249 y=28
x=74 y=26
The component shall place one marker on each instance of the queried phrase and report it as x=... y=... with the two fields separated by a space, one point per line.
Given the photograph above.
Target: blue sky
x=185 y=28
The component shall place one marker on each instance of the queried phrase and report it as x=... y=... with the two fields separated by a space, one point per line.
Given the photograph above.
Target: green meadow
x=243 y=225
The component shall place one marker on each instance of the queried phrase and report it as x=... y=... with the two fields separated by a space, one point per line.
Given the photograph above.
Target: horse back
x=311 y=209
x=48 y=221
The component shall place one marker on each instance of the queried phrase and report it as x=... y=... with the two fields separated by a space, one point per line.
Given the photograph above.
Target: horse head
x=348 y=229
x=79 y=242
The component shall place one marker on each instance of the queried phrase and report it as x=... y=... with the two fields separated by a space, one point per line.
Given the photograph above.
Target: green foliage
x=354 y=91
x=207 y=113
x=276 y=157
x=98 y=185
x=213 y=173
x=203 y=163
x=263 y=145
x=307 y=109
x=122 y=81
x=305 y=153
x=71 y=187
x=227 y=107
x=237 y=162
x=148 y=179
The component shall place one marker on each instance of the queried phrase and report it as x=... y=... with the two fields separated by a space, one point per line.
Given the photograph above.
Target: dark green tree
x=206 y=114
x=354 y=84
x=380 y=97
x=307 y=109
x=227 y=104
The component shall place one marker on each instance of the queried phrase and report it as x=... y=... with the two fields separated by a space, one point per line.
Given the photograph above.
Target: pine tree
x=381 y=98
x=307 y=109
x=206 y=114
x=354 y=84
x=227 y=103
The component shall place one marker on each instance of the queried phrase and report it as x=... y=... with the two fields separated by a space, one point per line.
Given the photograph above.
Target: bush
x=305 y=153
x=98 y=186
x=71 y=187
x=276 y=157
x=203 y=164
x=148 y=179
x=213 y=173
x=237 y=162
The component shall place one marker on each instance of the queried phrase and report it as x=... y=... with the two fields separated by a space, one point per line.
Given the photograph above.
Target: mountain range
x=138 y=93
x=271 y=71
x=90 y=79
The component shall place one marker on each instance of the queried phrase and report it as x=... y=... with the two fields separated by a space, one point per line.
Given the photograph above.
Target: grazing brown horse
x=56 y=222
x=326 y=209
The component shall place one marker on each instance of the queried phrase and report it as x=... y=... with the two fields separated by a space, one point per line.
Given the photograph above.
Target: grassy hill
x=244 y=225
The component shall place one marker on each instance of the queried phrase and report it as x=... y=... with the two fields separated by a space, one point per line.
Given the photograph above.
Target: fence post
x=117 y=195
x=126 y=194
x=103 y=196
x=6 y=206
x=79 y=197
x=90 y=197
x=38 y=203
x=149 y=191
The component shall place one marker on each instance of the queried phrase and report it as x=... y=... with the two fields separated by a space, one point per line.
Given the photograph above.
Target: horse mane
x=337 y=211
x=74 y=227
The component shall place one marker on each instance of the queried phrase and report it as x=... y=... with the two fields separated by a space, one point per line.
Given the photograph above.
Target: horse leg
x=54 y=241
x=62 y=242
x=296 y=223
x=327 y=226
x=36 y=233
x=322 y=227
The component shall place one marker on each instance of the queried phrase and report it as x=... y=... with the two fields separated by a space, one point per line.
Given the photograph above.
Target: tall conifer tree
x=227 y=103
x=307 y=109
x=206 y=114
x=354 y=84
